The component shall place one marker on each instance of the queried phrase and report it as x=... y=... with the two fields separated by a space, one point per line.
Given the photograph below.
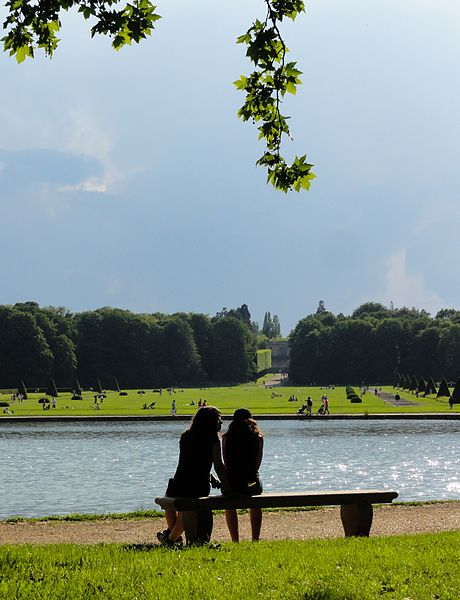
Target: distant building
x=280 y=355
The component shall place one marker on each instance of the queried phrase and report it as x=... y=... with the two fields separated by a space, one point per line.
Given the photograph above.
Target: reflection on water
x=59 y=468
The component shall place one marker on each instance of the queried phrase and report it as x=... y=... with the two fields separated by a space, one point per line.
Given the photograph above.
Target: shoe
x=163 y=538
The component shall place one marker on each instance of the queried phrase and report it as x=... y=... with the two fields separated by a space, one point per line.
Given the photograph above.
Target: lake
x=100 y=467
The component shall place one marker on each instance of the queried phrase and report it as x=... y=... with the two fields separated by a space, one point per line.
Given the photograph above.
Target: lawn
x=422 y=567
x=253 y=396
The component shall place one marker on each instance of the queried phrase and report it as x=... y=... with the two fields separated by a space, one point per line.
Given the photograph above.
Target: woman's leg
x=256 y=523
x=177 y=529
x=232 y=523
x=171 y=517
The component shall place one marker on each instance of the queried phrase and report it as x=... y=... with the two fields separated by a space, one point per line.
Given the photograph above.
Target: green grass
x=137 y=514
x=253 y=396
x=159 y=514
x=422 y=567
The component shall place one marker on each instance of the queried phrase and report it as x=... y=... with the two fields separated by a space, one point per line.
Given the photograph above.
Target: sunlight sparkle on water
x=453 y=486
x=118 y=467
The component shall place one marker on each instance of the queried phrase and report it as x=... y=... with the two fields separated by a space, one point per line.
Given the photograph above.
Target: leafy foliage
x=32 y=25
x=374 y=344
x=35 y=24
x=141 y=350
x=264 y=360
x=265 y=88
x=271 y=327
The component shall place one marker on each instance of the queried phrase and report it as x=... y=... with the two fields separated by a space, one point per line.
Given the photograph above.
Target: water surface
x=97 y=467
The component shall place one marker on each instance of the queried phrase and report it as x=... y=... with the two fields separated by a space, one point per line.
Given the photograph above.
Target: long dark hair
x=206 y=422
x=243 y=424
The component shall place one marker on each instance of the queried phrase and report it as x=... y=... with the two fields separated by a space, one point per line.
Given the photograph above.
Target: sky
x=126 y=179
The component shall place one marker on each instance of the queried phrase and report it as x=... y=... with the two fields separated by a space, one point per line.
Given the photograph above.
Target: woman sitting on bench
x=199 y=451
x=243 y=449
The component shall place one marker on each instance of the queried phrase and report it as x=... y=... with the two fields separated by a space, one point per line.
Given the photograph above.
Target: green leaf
x=242 y=39
x=21 y=53
x=240 y=83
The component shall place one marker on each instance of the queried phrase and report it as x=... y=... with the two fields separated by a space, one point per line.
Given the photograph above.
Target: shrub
x=23 y=390
x=264 y=360
x=443 y=391
x=52 y=389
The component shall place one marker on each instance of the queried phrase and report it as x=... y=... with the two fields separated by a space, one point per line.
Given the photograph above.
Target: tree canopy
x=374 y=344
x=110 y=346
x=34 y=25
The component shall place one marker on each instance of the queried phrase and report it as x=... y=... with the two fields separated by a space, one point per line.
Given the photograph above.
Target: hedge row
x=264 y=360
x=352 y=395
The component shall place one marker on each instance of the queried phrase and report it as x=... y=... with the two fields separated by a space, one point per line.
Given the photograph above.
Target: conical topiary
x=52 y=389
x=117 y=387
x=455 y=398
x=443 y=391
x=421 y=386
x=413 y=383
x=99 y=387
x=77 y=387
x=23 y=390
x=407 y=382
x=397 y=382
x=430 y=386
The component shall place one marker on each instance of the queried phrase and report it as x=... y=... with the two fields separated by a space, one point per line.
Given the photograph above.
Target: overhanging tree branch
x=33 y=24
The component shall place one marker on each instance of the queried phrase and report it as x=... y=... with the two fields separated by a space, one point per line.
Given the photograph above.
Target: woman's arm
x=261 y=452
x=220 y=468
x=224 y=448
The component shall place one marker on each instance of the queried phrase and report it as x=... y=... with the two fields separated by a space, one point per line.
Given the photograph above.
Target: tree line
x=374 y=344
x=140 y=350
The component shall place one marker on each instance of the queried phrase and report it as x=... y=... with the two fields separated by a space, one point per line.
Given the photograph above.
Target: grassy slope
x=252 y=396
x=419 y=567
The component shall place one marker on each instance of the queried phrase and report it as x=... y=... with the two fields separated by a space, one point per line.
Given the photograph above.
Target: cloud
x=408 y=289
x=35 y=182
x=92 y=184
x=85 y=137
x=74 y=133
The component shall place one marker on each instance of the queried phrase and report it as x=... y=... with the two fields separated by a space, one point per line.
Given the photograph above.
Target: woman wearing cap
x=242 y=447
x=199 y=451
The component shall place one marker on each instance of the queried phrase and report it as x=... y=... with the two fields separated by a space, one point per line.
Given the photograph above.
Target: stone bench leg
x=198 y=526
x=356 y=519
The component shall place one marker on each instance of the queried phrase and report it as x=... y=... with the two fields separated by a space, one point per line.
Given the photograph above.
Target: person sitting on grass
x=199 y=450
x=242 y=447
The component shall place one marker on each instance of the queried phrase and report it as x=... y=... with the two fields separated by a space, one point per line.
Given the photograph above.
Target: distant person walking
x=309 y=406
x=173 y=407
x=242 y=447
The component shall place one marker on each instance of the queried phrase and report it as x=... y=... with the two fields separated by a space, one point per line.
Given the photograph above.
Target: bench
x=355 y=508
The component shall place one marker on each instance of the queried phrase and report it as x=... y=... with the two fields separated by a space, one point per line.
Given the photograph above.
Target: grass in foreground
x=420 y=567
x=253 y=396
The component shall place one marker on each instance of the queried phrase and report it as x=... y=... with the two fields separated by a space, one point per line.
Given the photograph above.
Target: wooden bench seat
x=356 y=508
